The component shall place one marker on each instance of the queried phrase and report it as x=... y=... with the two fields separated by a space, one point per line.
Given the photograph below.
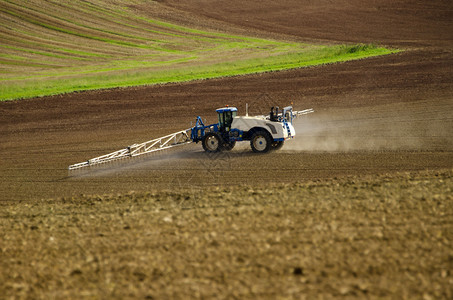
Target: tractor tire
x=228 y=146
x=277 y=145
x=261 y=141
x=212 y=142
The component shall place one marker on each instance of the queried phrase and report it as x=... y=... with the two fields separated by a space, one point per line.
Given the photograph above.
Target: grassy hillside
x=52 y=47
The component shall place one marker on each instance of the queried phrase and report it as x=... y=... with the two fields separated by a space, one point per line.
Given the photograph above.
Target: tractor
x=265 y=133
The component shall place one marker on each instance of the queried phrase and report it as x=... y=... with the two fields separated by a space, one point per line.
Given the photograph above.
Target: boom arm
x=172 y=140
x=303 y=112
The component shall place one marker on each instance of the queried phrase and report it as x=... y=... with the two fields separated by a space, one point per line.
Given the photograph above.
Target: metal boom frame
x=303 y=112
x=169 y=141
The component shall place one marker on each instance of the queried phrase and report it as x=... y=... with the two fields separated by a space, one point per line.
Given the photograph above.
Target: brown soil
x=369 y=237
x=376 y=116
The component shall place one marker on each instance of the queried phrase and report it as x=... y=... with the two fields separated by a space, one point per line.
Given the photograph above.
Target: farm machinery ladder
x=166 y=142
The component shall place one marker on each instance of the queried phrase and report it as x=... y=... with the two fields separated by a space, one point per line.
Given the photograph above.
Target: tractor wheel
x=277 y=145
x=229 y=146
x=261 y=142
x=212 y=142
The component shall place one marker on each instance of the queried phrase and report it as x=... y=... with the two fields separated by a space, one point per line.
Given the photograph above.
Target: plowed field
x=358 y=205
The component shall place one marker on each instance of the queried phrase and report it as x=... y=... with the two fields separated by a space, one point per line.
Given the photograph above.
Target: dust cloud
x=355 y=130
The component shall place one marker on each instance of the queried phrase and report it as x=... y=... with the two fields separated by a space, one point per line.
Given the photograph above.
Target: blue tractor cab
x=226 y=115
x=222 y=128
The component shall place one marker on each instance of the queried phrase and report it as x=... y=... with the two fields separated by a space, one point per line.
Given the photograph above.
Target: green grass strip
x=180 y=73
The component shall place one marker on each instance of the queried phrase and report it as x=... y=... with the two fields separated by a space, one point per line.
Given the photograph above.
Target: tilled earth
x=335 y=213
x=366 y=237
